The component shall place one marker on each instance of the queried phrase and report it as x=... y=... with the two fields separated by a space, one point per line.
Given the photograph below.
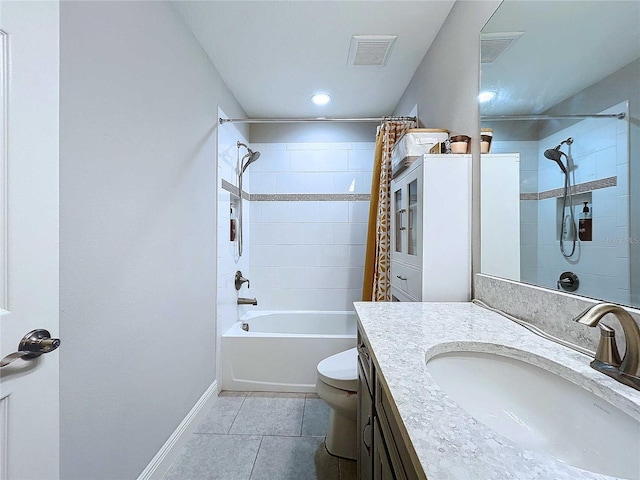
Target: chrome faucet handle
x=239 y=280
x=607 y=351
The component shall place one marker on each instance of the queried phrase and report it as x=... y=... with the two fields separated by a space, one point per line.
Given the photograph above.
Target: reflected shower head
x=556 y=155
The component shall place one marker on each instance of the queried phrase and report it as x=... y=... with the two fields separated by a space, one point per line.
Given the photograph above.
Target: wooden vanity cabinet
x=383 y=454
x=397 y=452
x=365 y=411
x=382 y=467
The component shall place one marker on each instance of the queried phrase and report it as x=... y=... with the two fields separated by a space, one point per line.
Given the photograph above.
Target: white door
x=29 y=64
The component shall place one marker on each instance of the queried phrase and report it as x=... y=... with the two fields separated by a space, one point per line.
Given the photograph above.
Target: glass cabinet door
x=412 y=230
x=399 y=211
x=406 y=217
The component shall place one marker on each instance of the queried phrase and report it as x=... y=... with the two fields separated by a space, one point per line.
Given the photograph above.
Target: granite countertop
x=448 y=442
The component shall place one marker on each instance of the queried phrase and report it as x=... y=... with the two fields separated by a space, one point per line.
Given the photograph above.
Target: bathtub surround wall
x=138 y=115
x=228 y=262
x=309 y=213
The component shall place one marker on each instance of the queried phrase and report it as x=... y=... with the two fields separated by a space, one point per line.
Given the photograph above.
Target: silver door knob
x=32 y=345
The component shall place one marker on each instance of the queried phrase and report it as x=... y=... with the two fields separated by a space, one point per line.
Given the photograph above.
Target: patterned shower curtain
x=377 y=278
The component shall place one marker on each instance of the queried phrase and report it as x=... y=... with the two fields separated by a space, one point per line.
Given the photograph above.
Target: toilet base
x=342 y=438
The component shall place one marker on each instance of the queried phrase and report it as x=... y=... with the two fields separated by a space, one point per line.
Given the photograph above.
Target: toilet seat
x=340 y=370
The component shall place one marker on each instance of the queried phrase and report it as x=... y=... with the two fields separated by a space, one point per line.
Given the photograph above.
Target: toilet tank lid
x=342 y=367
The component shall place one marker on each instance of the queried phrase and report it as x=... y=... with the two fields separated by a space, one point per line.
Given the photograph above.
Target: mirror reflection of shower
x=250 y=157
x=567 y=222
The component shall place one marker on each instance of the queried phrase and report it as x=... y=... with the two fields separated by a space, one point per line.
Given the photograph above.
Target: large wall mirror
x=560 y=102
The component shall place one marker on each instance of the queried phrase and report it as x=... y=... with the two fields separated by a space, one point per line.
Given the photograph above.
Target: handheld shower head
x=556 y=155
x=251 y=155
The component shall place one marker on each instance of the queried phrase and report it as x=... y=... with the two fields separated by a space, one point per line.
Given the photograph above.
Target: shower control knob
x=239 y=280
x=568 y=281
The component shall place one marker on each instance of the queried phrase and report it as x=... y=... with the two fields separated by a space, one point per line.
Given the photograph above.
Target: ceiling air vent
x=492 y=45
x=370 y=50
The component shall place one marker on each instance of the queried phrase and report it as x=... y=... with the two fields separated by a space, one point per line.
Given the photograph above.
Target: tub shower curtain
x=377 y=278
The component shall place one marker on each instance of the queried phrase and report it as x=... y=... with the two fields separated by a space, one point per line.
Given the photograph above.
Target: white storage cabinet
x=431 y=230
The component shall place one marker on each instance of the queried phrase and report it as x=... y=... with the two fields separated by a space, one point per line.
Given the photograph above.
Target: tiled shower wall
x=228 y=260
x=599 y=151
x=309 y=213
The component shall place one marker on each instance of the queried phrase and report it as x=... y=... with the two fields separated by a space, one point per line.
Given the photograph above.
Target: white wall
x=330 y=132
x=446 y=84
x=138 y=110
x=307 y=253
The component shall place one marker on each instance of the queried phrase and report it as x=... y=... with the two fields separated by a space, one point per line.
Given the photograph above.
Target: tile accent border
x=576 y=189
x=229 y=187
x=296 y=197
x=550 y=310
x=529 y=196
x=309 y=197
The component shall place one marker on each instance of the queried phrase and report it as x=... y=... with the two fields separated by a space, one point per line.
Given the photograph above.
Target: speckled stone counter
x=447 y=442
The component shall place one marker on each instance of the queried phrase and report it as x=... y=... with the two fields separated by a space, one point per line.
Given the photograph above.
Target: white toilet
x=337 y=385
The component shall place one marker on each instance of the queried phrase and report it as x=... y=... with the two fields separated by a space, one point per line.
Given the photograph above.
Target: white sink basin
x=541 y=411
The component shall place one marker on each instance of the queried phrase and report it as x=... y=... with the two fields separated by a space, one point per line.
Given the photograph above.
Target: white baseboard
x=159 y=465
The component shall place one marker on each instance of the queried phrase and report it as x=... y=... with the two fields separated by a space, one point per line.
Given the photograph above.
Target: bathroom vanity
x=383 y=454
x=409 y=428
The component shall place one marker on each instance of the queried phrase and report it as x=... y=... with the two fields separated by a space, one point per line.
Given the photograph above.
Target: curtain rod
x=318 y=119
x=619 y=116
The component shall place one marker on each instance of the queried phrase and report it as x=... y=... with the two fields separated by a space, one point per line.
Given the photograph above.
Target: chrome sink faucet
x=607 y=358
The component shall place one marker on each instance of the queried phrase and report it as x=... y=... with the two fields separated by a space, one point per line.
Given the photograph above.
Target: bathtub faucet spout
x=247 y=301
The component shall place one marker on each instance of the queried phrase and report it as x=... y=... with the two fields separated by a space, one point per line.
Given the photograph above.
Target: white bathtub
x=281 y=349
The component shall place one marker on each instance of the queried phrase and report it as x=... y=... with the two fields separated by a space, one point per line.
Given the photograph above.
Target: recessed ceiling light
x=486 y=96
x=321 y=98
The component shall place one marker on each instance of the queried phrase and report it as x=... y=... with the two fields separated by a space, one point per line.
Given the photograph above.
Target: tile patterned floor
x=262 y=436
